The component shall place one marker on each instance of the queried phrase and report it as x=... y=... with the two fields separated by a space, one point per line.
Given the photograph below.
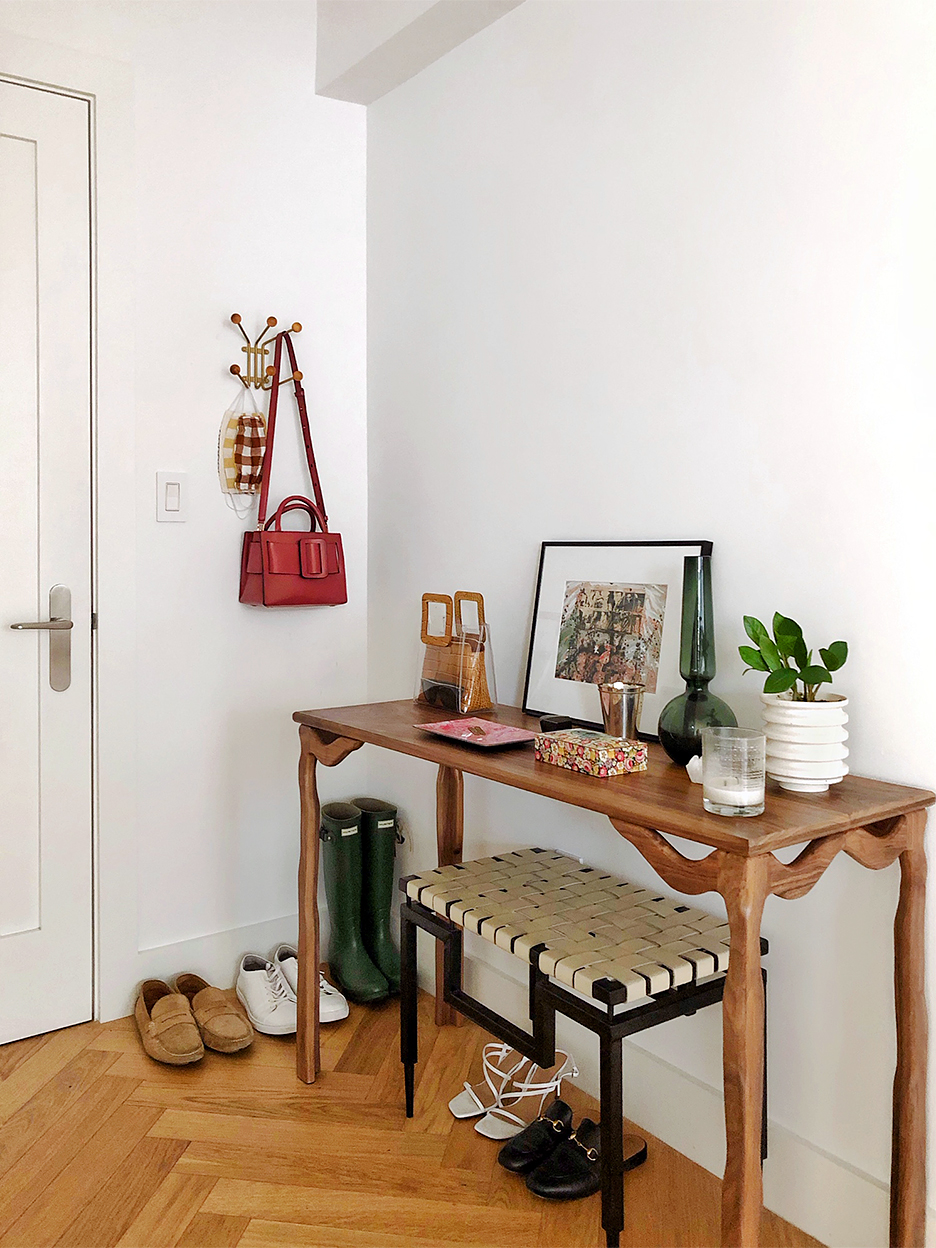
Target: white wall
x=239 y=190
x=667 y=270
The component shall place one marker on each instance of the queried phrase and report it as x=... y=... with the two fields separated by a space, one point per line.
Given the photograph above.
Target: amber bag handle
x=430 y=639
x=464 y=596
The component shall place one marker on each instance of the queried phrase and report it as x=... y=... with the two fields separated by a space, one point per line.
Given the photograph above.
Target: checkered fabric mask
x=241 y=444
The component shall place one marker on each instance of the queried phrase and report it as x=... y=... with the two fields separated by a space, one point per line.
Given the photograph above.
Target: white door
x=45 y=520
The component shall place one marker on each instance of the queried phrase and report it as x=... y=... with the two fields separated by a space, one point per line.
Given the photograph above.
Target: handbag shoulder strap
x=304 y=422
x=271 y=428
x=267 y=465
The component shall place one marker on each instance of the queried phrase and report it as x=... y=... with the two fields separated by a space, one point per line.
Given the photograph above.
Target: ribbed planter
x=806 y=748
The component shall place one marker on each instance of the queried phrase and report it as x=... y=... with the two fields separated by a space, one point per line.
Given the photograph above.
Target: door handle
x=55 y=626
x=58 y=625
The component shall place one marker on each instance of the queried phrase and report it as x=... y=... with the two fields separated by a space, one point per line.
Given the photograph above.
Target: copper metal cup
x=620 y=709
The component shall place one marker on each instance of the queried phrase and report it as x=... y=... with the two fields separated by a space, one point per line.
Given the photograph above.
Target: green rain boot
x=379 y=837
x=354 y=972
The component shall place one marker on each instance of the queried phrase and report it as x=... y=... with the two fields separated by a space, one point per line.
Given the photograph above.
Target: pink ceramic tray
x=479 y=732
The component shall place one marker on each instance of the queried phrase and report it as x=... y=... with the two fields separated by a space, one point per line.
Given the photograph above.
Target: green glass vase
x=682 y=719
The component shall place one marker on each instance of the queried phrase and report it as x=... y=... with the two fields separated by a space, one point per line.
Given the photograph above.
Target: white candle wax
x=726 y=791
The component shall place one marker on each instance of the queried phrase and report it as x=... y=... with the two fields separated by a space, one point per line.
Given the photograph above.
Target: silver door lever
x=59 y=622
x=56 y=625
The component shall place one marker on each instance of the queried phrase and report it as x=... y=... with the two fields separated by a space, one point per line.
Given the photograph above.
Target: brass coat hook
x=259 y=374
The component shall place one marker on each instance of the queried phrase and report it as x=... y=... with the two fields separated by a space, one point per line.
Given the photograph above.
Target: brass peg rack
x=259 y=373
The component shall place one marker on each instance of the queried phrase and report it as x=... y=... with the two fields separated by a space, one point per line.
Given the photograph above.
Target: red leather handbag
x=288 y=567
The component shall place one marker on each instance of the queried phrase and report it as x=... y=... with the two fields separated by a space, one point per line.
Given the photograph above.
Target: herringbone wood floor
x=101 y=1146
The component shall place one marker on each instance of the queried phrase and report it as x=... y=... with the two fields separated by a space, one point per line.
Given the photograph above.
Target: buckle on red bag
x=313 y=557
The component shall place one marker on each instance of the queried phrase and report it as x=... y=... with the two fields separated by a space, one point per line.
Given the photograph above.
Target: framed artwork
x=606 y=611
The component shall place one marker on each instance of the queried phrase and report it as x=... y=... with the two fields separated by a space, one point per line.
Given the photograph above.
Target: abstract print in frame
x=611 y=632
x=606 y=611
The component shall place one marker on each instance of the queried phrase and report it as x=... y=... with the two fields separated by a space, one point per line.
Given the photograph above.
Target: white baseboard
x=809 y=1187
x=214 y=957
x=817 y=1192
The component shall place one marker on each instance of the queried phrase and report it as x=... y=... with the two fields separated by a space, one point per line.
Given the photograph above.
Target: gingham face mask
x=241 y=444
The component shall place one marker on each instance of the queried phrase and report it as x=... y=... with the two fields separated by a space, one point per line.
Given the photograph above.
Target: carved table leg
x=908 y=1157
x=744 y=884
x=308 y=1061
x=450 y=832
x=325 y=748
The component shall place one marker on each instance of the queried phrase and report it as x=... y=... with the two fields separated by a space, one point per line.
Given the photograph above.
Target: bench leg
x=612 y=1141
x=408 y=1006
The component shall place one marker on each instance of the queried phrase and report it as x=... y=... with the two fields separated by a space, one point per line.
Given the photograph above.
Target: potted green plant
x=804 y=723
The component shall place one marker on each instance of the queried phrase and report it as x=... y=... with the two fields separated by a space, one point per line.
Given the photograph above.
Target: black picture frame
x=603 y=561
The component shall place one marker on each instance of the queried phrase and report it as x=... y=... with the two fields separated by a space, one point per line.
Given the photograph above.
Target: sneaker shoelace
x=325 y=986
x=276 y=989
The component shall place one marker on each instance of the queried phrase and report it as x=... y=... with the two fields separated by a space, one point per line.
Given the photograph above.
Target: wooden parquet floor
x=101 y=1147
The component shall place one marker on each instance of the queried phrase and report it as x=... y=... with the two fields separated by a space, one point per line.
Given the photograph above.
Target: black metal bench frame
x=546 y=998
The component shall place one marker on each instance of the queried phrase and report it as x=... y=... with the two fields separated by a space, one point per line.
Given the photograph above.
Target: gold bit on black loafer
x=524 y=1152
x=573 y=1168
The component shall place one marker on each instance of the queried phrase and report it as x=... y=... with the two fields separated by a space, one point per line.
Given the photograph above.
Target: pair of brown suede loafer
x=177 y=1024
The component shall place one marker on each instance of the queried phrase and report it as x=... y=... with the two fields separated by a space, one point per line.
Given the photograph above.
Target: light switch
x=171 y=496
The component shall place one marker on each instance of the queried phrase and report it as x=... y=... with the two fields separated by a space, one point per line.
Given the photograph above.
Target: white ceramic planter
x=806 y=748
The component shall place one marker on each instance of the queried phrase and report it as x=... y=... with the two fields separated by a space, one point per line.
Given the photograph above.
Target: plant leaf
x=783 y=624
x=835 y=656
x=800 y=654
x=771 y=654
x=753 y=658
x=785 y=645
x=787 y=632
x=781 y=680
x=755 y=630
x=815 y=675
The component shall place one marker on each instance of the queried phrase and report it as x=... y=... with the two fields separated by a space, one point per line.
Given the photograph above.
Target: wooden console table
x=873 y=822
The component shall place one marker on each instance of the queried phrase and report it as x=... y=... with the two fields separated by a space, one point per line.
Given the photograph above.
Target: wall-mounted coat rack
x=260 y=374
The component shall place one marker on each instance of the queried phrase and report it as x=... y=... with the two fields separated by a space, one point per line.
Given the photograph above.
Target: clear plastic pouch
x=241 y=447
x=456 y=672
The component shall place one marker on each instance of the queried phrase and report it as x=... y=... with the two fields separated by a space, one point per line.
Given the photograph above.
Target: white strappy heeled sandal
x=499 y=1123
x=468 y=1104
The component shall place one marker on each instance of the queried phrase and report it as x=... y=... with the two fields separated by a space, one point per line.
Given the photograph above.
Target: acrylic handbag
x=288 y=567
x=457 y=671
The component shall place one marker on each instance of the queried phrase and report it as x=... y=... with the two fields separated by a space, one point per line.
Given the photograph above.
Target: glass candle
x=733 y=771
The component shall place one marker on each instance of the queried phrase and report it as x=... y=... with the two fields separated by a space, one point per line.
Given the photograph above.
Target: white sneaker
x=266 y=995
x=332 y=1005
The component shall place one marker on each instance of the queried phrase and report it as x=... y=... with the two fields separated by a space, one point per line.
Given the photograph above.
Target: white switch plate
x=172 y=496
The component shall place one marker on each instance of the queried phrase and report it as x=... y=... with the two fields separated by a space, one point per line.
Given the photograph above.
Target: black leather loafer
x=535 y=1143
x=573 y=1168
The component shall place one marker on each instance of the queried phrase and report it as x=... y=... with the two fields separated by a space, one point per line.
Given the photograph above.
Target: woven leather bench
x=638 y=956
x=593 y=925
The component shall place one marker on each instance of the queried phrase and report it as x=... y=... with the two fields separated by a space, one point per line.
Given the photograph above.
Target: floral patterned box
x=594 y=753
